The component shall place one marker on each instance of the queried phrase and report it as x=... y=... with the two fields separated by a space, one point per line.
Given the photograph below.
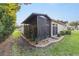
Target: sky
x=58 y=11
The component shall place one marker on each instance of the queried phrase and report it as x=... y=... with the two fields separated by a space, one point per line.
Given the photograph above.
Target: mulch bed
x=44 y=42
x=5 y=47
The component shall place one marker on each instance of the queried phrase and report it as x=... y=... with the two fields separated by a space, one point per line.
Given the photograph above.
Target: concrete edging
x=44 y=45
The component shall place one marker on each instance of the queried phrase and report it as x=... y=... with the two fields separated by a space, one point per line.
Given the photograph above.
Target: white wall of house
x=78 y=27
x=52 y=28
x=21 y=28
x=61 y=27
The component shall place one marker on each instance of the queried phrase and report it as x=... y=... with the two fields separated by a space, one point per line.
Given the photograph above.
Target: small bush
x=16 y=34
x=65 y=32
x=58 y=35
x=68 y=32
x=62 y=32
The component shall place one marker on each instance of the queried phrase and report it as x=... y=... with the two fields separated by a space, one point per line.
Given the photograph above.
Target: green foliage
x=58 y=35
x=16 y=34
x=62 y=32
x=65 y=32
x=7 y=19
x=68 y=46
x=74 y=23
x=68 y=32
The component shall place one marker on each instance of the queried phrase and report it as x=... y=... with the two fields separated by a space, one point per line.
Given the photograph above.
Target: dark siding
x=43 y=26
x=39 y=28
x=26 y=30
x=55 y=29
x=30 y=31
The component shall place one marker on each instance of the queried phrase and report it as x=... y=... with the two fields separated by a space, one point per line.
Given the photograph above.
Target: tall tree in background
x=75 y=24
x=7 y=19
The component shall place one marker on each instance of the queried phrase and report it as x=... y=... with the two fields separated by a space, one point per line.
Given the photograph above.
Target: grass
x=68 y=46
x=16 y=34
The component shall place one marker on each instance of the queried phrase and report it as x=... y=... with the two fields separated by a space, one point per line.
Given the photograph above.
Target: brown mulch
x=5 y=47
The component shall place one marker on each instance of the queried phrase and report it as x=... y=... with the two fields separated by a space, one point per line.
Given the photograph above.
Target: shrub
x=62 y=32
x=16 y=34
x=6 y=27
x=7 y=20
x=65 y=32
x=58 y=35
x=68 y=32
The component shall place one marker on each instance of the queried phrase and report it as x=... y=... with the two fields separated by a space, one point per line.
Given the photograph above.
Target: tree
x=7 y=19
x=74 y=23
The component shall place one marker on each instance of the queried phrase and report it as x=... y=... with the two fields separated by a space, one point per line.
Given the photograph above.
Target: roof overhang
x=35 y=15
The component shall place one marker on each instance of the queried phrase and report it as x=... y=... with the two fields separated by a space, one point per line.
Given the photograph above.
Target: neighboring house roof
x=60 y=22
x=34 y=15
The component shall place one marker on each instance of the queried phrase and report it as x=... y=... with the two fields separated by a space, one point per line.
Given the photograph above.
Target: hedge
x=65 y=32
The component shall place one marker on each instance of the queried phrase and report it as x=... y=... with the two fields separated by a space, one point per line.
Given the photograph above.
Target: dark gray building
x=37 y=26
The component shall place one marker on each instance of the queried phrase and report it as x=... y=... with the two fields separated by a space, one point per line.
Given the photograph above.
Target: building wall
x=78 y=27
x=52 y=28
x=22 y=29
x=30 y=29
x=60 y=27
x=43 y=27
x=38 y=28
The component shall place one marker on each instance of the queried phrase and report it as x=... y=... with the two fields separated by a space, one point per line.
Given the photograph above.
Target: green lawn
x=68 y=46
x=16 y=34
